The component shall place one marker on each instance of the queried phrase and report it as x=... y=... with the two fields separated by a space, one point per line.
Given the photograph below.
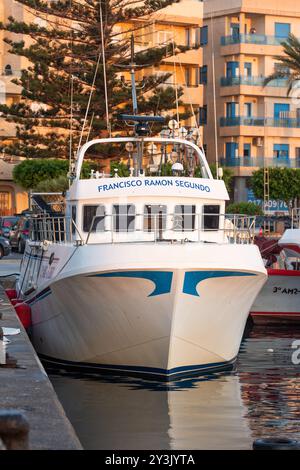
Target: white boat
x=279 y=300
x=143 y=274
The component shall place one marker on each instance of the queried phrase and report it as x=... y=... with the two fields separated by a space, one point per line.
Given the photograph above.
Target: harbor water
x=259 y=398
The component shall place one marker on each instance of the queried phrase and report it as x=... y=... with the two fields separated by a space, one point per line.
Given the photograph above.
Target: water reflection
x=217 y=411
x=270 y=382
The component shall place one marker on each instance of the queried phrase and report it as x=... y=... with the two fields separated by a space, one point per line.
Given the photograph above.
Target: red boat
x=279 y=299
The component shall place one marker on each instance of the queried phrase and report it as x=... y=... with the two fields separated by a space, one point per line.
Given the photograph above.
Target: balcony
x=290 y=123
x=260 y=127
x=258 y=44
x=252 y=81
x=260 y=39
x=260 y=162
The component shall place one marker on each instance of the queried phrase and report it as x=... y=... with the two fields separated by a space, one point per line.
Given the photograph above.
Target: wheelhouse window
x=73 y=215
x=124 y=218
x=211 y=216
x=94 y=218
x=155 y=217
x=184 y=218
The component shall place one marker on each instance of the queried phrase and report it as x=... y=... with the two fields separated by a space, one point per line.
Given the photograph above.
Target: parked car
x=19 y=234
x=4 y=247
x=6 y=224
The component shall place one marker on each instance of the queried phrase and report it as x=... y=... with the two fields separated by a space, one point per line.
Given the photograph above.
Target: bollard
x=14 y=430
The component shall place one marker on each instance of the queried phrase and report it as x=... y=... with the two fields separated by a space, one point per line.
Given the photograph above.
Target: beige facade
x=257 y=125
x=181 y=24
x=13 y=199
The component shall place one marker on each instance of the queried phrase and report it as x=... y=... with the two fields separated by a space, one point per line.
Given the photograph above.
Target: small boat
x=279 y=300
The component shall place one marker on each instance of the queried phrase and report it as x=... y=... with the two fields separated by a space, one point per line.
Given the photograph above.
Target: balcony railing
x=252 y=81
x=262 y=122
x=260 y=162
x=252 y=39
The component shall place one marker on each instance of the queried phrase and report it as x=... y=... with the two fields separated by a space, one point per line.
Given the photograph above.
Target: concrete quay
x=26 y=388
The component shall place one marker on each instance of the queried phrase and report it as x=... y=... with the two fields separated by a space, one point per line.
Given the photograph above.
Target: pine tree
x=64 y=52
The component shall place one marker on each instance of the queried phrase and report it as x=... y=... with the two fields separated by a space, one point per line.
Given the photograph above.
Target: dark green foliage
x=245 y=208
x=289 y=63
x=284 y=184
x=55 y=185
x=30 y=173
x=66 y=58
x=122 y=168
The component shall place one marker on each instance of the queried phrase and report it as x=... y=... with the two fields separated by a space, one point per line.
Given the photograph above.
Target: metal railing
x=296 y=218
x=61 y=229
x=133 y=228
x=292 y=123
x=252 y=81
x=260 y=162
x=261 y=39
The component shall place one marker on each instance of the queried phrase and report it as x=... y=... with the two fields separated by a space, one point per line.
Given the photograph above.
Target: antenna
x=132 y=74
x=132 y=67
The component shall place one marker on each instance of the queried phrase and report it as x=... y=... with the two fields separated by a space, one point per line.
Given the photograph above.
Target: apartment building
x=179 y=23
x=13 y=199
x=256 y=126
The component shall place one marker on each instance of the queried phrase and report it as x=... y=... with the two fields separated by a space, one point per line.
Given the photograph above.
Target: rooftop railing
x=144 y=228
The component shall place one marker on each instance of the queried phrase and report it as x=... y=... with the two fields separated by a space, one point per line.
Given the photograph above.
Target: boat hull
x=279 y=300
x=163 y=321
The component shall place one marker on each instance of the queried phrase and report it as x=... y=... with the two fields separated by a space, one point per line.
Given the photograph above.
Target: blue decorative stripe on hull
x=161 y=279
x=193 y=278
x=149 y=372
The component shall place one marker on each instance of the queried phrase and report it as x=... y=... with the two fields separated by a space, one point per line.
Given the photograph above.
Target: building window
x=203 y=35
x=281 y=110
x=282 y=30
x=164 y=37
x=248 y=110
x=281 y=151
x=8 y=70
x=248 y=69
x=124 y=218
x=198 y=37
x=211 y=216
x=203 y=75
x=235 y=31
x=203 y=115
x=247 y=150
x=188 y=37
x=187 y=76
x=231 y=109
x=232 y=69
x=231 y=150
x=184 y=218
x=98 y=214
x=155 y=218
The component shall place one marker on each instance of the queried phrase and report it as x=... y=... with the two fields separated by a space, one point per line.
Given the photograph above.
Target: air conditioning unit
x=258 y=142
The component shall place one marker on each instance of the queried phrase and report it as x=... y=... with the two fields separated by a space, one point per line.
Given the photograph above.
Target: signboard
x=273 y=206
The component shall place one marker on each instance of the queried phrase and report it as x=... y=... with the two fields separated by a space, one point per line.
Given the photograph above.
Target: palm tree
x=289 y=68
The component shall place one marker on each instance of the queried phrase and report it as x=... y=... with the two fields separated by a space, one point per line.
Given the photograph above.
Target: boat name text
x=152 y=182
x=280 y=290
